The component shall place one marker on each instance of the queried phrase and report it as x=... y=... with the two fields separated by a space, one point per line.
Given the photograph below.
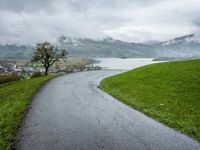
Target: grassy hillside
x=169 y=92
x=14 y=98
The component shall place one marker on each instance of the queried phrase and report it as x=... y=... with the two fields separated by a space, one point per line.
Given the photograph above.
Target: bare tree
x=47 y=54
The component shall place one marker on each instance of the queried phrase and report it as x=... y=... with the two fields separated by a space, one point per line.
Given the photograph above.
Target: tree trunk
x=46 y=71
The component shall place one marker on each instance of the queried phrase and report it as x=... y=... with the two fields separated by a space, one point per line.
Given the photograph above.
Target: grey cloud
x=197 y=23
x=24 y=5
x=29 y=21
x=76 y=5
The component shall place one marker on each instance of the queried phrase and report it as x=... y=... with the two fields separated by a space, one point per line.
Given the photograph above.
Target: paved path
x=70 y=112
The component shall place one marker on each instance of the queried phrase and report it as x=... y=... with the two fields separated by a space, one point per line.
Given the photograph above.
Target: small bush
x=36 y=74
x=5 y=78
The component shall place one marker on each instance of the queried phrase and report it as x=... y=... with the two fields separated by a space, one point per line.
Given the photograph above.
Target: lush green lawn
x=14 y=99
x=169 y=92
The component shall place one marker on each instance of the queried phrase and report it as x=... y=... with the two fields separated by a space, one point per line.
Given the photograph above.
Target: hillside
x=182 y=47
x=168 y=92
x=16 y=52
x=105 y=48
x=186 y=46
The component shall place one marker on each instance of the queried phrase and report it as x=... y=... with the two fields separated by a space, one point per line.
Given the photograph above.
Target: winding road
x=71 y=113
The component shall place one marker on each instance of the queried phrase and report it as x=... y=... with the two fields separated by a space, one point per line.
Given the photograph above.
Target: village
x=24 y=68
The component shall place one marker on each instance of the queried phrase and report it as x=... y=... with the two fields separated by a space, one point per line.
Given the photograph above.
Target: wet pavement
x=71 y=112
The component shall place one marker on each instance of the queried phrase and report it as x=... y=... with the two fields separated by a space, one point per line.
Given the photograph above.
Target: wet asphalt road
x=70 y=112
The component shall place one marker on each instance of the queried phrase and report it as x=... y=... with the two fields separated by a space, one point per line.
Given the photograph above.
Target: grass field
x=14 y=99
x=168 y=92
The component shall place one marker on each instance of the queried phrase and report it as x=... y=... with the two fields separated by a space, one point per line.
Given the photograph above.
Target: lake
x=121 y=63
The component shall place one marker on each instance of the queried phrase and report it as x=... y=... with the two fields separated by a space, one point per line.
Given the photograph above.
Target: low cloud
x=31 y=21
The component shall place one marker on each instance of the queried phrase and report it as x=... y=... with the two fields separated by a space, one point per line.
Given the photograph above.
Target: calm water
x=120 y=63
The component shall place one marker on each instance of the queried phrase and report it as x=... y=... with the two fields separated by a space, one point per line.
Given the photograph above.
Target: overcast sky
x=31 y=21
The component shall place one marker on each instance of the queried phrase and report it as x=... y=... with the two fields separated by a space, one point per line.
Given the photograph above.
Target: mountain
x=105 y=48
x=185 y=46
x=188 y=39
x=15 y=52
x=180 y=47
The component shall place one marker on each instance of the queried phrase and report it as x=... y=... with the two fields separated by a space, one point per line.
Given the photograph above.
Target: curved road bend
x=70 y=112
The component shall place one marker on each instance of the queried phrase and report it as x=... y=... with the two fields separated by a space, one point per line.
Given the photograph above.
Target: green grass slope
x=14 y=99
x=168 y=92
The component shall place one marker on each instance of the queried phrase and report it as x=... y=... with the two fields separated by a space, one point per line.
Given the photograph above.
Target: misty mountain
x=105 y=48
x=186 y=46
x=16 y=52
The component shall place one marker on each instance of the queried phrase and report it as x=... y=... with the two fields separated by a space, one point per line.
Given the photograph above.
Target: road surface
x=71 y=112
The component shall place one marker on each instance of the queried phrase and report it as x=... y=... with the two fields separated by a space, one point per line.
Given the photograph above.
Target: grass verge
x=168 y=92
x=14 y=99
